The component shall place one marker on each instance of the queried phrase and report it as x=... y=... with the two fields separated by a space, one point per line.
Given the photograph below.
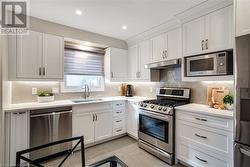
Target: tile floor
x=124 y=148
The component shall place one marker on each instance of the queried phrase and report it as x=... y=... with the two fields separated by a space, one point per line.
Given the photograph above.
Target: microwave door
x=202 y=65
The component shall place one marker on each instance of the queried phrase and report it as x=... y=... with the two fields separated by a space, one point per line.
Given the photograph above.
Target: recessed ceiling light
x=78 y=12
x=124 y=27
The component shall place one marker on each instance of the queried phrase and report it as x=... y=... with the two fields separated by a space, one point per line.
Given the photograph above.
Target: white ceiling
x=107 y=16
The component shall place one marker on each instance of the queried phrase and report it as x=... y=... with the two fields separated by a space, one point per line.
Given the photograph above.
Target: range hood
x=163 y=64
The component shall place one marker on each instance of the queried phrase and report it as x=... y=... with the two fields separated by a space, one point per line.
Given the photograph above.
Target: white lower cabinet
x=119 y=118
x=16 y=135
x=132 y=119
x=199 y=143
x=93 y=121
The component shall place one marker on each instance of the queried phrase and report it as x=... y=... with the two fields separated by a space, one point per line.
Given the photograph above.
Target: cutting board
x=218 y=95
x=210 y=91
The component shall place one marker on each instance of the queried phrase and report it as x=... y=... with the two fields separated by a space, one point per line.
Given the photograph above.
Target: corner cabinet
x=209 y=33
x=36 y=56
x=242 y=17
x=115 y=63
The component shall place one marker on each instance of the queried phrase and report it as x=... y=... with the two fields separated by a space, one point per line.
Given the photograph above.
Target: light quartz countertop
x=206 y=110
x=63 y=103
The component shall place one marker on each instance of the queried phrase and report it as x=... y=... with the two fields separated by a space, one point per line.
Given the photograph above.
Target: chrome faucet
x=86 y=91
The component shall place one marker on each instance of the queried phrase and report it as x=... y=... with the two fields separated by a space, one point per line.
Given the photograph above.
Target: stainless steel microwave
x=214 y=64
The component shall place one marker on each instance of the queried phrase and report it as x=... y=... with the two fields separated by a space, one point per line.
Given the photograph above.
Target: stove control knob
x=159 y=108
x=145 y=105
x=141 y=104
x=152 y=106
x=164 y=109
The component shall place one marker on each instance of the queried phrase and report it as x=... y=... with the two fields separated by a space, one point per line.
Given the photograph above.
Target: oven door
x=156 y=129
x=202 y=65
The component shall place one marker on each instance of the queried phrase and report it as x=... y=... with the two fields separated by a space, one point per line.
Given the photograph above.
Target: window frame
x=78 y=89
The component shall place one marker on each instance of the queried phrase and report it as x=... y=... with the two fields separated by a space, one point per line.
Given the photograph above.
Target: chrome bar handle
x=244 y=151
x=43 y=70
x=202 y=160
x=200 y=119
x=40 y=71
x=202 y=45
x=206 y=43
x=200 y=136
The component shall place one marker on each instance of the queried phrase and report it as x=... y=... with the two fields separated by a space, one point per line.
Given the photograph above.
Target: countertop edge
x=205 y=110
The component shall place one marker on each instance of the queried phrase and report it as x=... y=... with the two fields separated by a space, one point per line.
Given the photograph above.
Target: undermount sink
x=85 y=100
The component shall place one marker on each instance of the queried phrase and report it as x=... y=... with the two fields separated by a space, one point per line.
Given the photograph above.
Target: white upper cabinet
x=173 y=44
x=36 y=56
x=193 y=36
x=138 y=56
x=29 y=53
x=145 y=57
x=133 y=62
x=159 y=44
x=209 y=33
x=116 y=64
x=242 y=17
x=219 y=30
x=53 y=59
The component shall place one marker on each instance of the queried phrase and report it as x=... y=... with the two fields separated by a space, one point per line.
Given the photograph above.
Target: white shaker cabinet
x=159 y=44
x=145 y=57
x=193 y=36
x=29 y=53
x=209 y=33
x=242 y=17
x=36 y=56
x=133 y=62
x=116 y=64
x=83 y=124
x=132 y=119
x=53 y=56
x=174 y=44
x=103 y=125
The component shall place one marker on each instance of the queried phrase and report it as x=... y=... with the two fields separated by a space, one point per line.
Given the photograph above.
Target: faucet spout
x=86 y=91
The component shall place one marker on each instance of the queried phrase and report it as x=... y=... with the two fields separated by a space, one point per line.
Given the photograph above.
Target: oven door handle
x=154 y=115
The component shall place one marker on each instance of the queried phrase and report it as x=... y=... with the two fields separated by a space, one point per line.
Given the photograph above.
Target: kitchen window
x=83 y=66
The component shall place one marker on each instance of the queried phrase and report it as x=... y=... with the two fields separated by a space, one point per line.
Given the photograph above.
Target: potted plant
x=229 y=101
x=45 y=96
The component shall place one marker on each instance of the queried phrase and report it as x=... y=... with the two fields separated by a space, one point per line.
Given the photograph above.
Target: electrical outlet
x=55 y=90
x=34 y=91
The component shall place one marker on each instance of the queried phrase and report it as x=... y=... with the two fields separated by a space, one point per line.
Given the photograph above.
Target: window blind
x=78 y=62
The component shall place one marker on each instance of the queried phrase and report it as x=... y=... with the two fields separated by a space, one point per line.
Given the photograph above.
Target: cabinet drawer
x=195 y=157
x=217 y=141
x=119 y=122
x=119 y=130
x=215 y=122
x=118 y=112
x=118 y=104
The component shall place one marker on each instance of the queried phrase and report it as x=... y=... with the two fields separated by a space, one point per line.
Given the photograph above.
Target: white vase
x=230 y=106
x=44 y=99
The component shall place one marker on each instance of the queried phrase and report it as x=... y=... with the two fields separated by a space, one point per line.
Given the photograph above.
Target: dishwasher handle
x=51 y=113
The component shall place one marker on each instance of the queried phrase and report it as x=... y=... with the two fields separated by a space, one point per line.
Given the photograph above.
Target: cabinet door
x=133 y=62
x=53 y=56
x=193 y=34
x=118 y=63
x=174 y=44
x=242 y=17
x=29 y=55
x=219 y=30
x=159 y=44
x=18 y=134
x=145 y=57
x=103 y=125
x=132 y=119
x=83 y=125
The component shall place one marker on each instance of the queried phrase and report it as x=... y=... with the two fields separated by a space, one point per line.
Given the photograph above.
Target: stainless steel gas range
x=156 y=122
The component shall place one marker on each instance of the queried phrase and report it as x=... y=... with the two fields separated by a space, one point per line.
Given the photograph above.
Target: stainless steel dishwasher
x=47 y=125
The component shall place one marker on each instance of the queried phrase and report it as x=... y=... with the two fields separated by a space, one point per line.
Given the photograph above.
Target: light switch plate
x=34 y=91
x=55 y=90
